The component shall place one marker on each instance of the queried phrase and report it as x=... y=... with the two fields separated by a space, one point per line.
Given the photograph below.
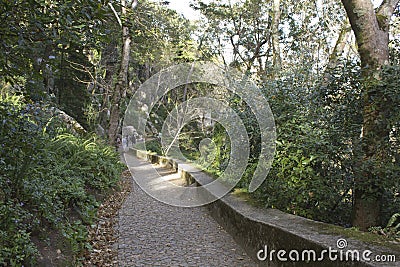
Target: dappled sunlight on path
x=152 y=233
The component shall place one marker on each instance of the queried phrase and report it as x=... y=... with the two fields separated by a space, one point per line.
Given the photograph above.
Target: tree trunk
x=338 y=50
x=371 y=29
x=122 y=80
x=275 y=35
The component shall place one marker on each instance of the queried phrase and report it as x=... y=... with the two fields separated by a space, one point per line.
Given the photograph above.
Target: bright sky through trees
x=182 y=7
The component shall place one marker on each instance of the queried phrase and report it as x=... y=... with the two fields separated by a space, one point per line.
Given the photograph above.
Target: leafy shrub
x=49 y=178
x=154 y=146
x=15 y=241
x=302 y=179
x=318 y=147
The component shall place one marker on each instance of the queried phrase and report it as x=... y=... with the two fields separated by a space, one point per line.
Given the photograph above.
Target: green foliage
x=45 y=46
x=76 y=235
x=161 y=37
x=305 y=178
x=15 y=240
x=90 y=156
x=33 y=30
x=388 y=169
x=154 y=146
x=392 y=229
x=319 y=147
x=47 y=176
x=223 y=148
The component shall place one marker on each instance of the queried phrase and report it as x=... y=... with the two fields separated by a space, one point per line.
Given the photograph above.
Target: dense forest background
x=329 y=69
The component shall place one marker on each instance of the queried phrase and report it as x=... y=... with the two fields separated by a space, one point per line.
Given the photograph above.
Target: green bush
x=318 y=151
x=49 y=178
x=154 y=146
x=15 y=240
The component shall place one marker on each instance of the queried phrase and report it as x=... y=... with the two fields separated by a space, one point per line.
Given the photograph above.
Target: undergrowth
x=50 y=180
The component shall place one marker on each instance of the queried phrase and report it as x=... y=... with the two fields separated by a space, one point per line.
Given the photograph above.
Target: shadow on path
x=152 y=233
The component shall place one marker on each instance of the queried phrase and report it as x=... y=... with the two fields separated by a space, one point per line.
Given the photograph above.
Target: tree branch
x=385 y=12
x=236 y=49
x=116 y=14
x=387 y=7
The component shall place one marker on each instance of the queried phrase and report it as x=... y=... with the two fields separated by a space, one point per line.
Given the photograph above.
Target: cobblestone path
x=152 y=233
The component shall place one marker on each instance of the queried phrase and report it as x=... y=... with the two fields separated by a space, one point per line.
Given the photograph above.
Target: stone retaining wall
x=258 y=230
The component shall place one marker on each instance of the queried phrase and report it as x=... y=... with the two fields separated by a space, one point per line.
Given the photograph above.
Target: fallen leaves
x=102 y=235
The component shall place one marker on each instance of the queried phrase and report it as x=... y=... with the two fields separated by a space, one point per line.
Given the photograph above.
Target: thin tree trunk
x=122 y=80
x=275 y=35
x=371 y=29
x=338 y=50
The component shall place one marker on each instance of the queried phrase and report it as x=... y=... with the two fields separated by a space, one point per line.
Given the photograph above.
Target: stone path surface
x=152 y=233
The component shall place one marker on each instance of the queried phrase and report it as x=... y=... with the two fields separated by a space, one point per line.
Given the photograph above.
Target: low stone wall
x=156 y=159
x=264 y=232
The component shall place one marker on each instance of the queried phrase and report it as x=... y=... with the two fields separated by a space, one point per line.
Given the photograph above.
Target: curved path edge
x=258 y=229
x=152 y=233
